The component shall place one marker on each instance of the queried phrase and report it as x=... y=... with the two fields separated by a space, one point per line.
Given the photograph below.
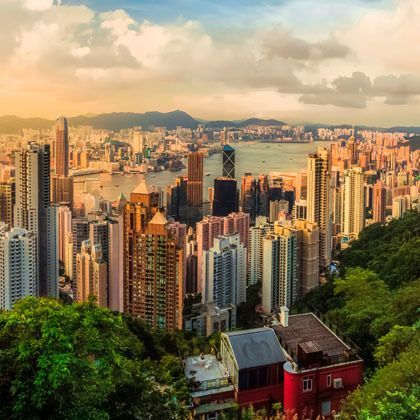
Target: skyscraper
x=224 y=266
x=61 y=153
x=207 y=230
x=34 y=213
x=64 y=228
x=379 y=202
x=248 y=202
x=228 y=161
x=115 y=263
x=308 y=255
x=280 y=269
x=256 y=253
x=91 y=274
x=353 y=202
x=195 y=180
x=18 y=265
x=153 y=264
x=225 y=196
x=80 y=233
x=319 y=200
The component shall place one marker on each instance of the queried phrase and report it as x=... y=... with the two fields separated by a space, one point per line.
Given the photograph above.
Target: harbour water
x=255 y=158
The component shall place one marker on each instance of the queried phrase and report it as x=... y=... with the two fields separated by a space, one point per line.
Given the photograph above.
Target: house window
x=307 y=384
x=328 y=380
x=326 y=408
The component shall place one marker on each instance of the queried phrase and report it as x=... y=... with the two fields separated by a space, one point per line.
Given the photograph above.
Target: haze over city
x=329 y=61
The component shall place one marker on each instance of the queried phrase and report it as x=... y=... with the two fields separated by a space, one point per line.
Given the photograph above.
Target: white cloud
x=112 y=61
x=39 y=4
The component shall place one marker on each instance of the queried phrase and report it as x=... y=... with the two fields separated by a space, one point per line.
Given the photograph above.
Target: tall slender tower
x=319 y=200
x=228 y=161
x=353 y=202
x=195 y=187
x=61 y=152
x=34 y=213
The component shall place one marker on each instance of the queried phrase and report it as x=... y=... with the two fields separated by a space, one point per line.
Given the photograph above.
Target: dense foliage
x=375 y=301
x=84 y=362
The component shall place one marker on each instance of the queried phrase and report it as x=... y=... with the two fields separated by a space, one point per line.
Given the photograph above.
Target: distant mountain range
x=122 y=120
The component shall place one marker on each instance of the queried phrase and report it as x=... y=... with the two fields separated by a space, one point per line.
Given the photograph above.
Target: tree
x=80 y=361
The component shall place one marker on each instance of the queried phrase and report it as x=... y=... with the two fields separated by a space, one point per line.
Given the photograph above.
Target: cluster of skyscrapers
x=142 y=256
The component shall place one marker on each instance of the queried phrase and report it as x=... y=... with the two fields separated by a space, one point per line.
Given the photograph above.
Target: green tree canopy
x=80 y=361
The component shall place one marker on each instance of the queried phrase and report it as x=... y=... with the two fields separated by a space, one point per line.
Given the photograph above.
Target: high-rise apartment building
x=207 y=230
x=308 y=255
x=224 y=267
x=80 y=233
x=64 y=228
x=153 y=264
x=34 y=213
x=280 y=269
x=7 y=201
x=61 y=152
x=319 y=200
x=228 y=157
x=379 y=202
x=354 y=208
x=18 y=265
x=255 y=250
x=91 y=274
x=115 y=263
x=62 y=190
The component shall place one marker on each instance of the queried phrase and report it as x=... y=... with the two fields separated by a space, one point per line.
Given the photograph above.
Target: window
x=307 y=384
x=326 y=408
x=328 y=380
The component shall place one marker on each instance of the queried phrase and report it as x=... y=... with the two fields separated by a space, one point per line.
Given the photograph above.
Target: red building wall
x=295 y=399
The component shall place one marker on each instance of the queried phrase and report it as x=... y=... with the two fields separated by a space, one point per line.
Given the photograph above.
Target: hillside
x=10 y=124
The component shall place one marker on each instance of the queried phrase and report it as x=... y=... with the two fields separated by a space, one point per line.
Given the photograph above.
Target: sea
x=254 y=158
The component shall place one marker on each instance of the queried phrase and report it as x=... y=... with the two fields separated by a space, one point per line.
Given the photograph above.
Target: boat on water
x=208 y=174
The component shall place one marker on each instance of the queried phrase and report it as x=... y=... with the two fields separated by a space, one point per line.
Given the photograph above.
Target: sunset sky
x=330 y=61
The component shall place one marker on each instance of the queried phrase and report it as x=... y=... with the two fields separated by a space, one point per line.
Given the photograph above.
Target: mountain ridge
x=11 y=124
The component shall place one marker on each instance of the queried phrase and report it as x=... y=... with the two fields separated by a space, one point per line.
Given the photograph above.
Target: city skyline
x=290 y=60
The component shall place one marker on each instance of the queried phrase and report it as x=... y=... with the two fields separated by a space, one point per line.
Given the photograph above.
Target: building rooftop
x=158 y=219
x=255 y=347
x=312 y=335
x=209 y=374
x=141 y=187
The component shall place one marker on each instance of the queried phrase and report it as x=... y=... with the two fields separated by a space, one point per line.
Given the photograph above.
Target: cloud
x=281 y=43
x=111 y=61
x=354 y=91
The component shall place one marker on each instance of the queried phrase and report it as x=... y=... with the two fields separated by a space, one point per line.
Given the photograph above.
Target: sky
x=327 y=61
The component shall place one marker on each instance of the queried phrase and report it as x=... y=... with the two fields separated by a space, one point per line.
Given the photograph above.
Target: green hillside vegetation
x=80 y=361
x=375 y=301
